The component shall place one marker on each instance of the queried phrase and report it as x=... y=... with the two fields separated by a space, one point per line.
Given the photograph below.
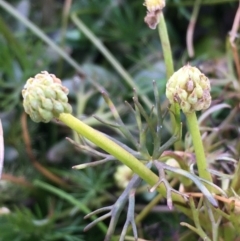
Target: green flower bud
x=190 y=88
x=46 y=103
x=45 y=114
x=35 y=116
x=44 y=97
x=173 y=163
x=122 y=176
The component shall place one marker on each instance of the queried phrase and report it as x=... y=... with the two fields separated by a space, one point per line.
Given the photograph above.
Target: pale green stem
x=147 y=209
x=198 y=146
x=235 y=185
x=166 y=47
x=1 y=149
x=109 y=146
x=122 y=155
x=167 y=53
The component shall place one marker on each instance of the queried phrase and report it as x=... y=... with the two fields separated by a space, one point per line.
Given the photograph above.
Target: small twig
x=144 y=114
x=65 y=14
x=88 y=149
x=233 y=34
x=213 y=185
x=1 y=149
x=93 y=152
x=195 y=212
x=151 y=205
x=215 y=225
x=220 y=198
x=157 y=140
x=169 y=189
x=96 y=221
x=116 y=209
x=168 y=143
x=137 y=154
x=118 y=206
x=36 y=164
x=130 y=217
x=195 y=179
x=16 y=180
x=117 y=117
x=96 y=163
x=113 y=125
x=191 y=27
x=98 y=211
x=142 y=131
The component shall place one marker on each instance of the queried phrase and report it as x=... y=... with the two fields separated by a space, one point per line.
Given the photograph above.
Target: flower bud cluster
x=190 y=88
x=44 y=97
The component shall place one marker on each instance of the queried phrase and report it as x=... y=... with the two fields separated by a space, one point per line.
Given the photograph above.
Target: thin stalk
x=1 y=149
x=191 y=27
x=27 y=141
x=198 y=146
x=146 y=210
x=215 y=224
x=109 y=146
x=167 y=53
x=16 y=180
x=65 y=15
x=166 y=47
x=235 y=185
x=197 y=221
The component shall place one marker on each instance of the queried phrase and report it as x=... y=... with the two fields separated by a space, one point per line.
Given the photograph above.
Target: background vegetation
x=47 y=200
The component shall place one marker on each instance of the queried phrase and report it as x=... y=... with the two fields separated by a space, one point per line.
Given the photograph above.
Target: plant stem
x=191 y=27
x=235 y=185
x=121 y=154
x=166 y=47
x=109 y=146
x=198 y=147
x=167 y=53
x=1 y=149
x=146 y=210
